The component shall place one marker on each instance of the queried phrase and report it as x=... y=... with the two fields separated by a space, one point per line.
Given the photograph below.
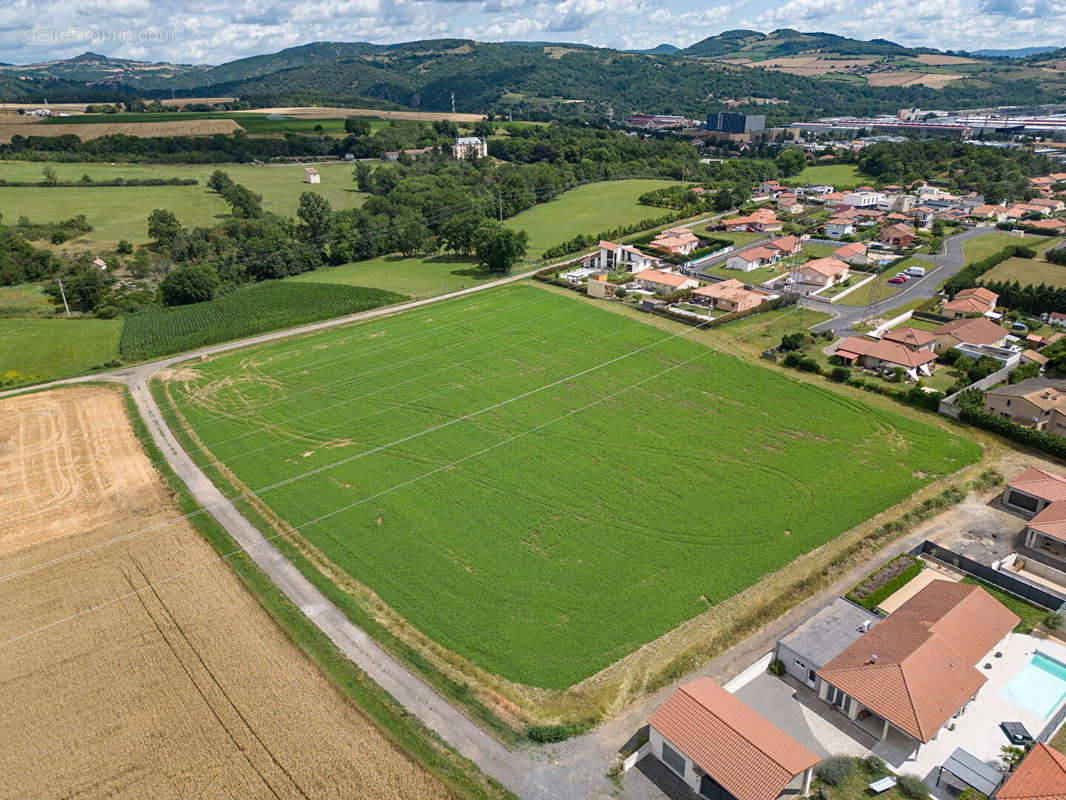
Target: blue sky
x=214 y=31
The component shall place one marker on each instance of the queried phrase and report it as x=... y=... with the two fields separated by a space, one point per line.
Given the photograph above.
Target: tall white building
x=469 y=147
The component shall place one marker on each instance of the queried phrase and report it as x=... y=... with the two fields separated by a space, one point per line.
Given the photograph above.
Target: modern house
x=912 y=338
x=311 y=175
x=885 y=356
x=1038 y=403
x=753 y=258
x=838 y=227
x=786 y=246
x=969 y=331
x=821 y=637
x=664 y=282
x=761 y=220
x=729 y=295
x=897 y=235
x=676 y=240
x=1034 y=490
x=469 y=147
x=854 y=253
x=614 y=257
x=1041 y=775
x=864 y=199
x=916 y=668
x=977 y=300
x=824 y=271
x=723 y=749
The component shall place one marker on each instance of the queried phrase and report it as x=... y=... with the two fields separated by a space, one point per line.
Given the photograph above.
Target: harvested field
x=333 y=112
x=935 y=60
x=907 y=78
x=190 y=127
x=188 y=689
x=180 y=101
x=807 y=65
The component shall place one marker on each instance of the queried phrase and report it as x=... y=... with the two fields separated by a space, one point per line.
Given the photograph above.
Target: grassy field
x=416 y=277
x=121 y=212
x=27 y=299
x=255 y=124
x=43 y=349
x=880 y=285
x=838 y=175
x=1027 y=271
x=252 y=309
x=991 y=243
x=588 y=209
x=508 y=534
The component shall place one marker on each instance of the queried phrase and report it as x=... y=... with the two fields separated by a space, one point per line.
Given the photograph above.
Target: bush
x=1053 y=622
x=545 y=734
x=792 y=359
x=835 y=770
x=913 y=787
x=777 y=667
x=809 y=365
x=875 y=764
x=840 y=374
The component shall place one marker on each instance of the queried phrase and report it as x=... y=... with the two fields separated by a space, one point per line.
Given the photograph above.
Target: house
x=897 y=235
x=1056 y=225
x=787 y=203
x=1038 y=403
x=786 y=246
x=752 y=258
x=977 y=300
x=622 y=257
x=997 y=213
x=822 y=637
x=1034 y=490
x=1057 y=318
x=824 y=271
x=311 y=175
x=971 y=330
x=913 y=338
x=885 y=356
x=837 y=227
x=760 y=220
x=99 y=263
x=664 y=282
x=915 y=669
x=729 y=295
x=1041 y=775
x=722 y=748
x=854 y=253
x=466 y=147
x=1031 y=357
x=769 y=189
x=864 y=198
x=600 y=288
x=1053 y=204
x=676 y=240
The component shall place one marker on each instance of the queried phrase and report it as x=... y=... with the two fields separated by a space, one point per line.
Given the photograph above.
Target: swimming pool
x=1039 y=687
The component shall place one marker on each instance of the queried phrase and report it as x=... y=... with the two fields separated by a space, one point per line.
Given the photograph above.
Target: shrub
x=777 y=667
x=913 y=787
x=808 y=365
x=620 y=292
x=1053 y=622
x=835 y=770
x=792 y=359
x=875 y=764
x=819 y=794
x=545 y=734
x=840 y=374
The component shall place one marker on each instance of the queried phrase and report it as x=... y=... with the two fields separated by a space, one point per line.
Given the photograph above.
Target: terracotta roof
x=1040 y=776
x=986 y=210
x=1051 y=521
x=756 y=253
x=916 y=667
x=912 y=337
x=749 y=756
x=1041 y=483
x=898 y=229
x=663 y=278
x=886 y=351
x=980 y=293
x=1044 y=393
x=827 y=266
x=785 y=243
x=978 y=330
x=605 y=245
x=853 y=249
x=1032 y=355
x=966 y=305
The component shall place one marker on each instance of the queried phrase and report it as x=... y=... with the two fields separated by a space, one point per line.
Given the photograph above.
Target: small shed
x=99 y=263
x=311 y=175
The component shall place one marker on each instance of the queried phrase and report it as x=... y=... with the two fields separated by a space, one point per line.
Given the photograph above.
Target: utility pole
x=453 y=102
x=499 y=198
x=63 y=294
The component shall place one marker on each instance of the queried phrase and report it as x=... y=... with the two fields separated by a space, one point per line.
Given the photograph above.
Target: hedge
x=966 y=278
x=1038 y=440
x=882 y=592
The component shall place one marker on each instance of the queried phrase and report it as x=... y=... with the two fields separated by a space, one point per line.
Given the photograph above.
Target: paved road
x=948 y=263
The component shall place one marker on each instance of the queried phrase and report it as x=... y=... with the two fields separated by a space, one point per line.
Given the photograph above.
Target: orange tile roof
x=966 y=305
x=979 y=292
x=749 y=756
x=891 y=352
x=916 y=667
x=912 y=337
x=756 y=253
x=785 y=243
x=853 y=249
x=827 y=266
x=1032 y=355
x=977 y=330
x=1051 y=521
x=664 y=278
x=1040 y=776
x=1040 y=483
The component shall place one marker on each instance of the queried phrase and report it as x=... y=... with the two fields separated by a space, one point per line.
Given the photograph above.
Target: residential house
x=977 y=300
x=837 y=227
x=972 y=200
x=916 y=668
x=722 y=748
x=1056 y=318
x=769 y=189
x=1056 y=225
x=822 y=637
x=1038 y=403
x=99 y=263
x=622 y=257
x=664 y=282
x=1053 y=204
x=466 y=147
x=729 y=295
x=854 y=253
x=995 y=213
x=1041 y=775
x=752 y=258
x=865 y=198
x=913 y=338
x=1034 y=490
x=676 y=240
x=311 y=175
x=885 y=356
x=1033 y=357
x=786 y=246
x=787 y=203
x=600 y=288
x=901 y=203
x=823 y=271
x=969 y=331
x=897 y=235
x=761 y=220
x=923 y=216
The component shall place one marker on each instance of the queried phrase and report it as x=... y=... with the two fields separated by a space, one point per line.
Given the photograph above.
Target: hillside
x=94 y=69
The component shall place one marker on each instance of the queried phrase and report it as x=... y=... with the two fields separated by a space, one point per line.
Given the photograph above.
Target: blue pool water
x=1039 y=687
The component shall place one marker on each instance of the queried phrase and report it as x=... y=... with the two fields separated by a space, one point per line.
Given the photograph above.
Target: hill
x=94 y=69
x=788 y=42
x=1017 y=52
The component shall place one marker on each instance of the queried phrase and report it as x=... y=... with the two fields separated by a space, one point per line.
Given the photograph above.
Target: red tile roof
x=1051 y=521
x=1041 y=483
x=916 y=667
x=886 y=351
x=1040 y=776
x=848 y=250
x=828 y=266
x=978 y=330
x=745 y=753
x=659 y=277
x=979 y=293
x=911 y=337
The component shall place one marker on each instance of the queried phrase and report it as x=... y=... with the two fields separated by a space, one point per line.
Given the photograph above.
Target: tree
x=484 y=128
x=362 y=175
x=457 y=233
x=219 y=181
x=317 y=214
x=723 y=200
x=244 y=202
x=49 y=173
x=498 y=248
x=192 y=283
x=357 y=126
x=163 y=226
x=410 y=234
x=124 y=247
x=793 y=341
x=791 y=161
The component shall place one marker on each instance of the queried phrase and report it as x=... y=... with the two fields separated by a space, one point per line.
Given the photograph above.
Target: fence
x=1007 y=583
x=948 y=406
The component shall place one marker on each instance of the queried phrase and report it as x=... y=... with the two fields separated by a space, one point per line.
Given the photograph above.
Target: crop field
x=1029 y=271
x=86 y=131
x=541 y=485
x=839 y=175
x=418 y=276
x=988 y=244
x=247 y=311
x=42 y=349
x=121 y=212
x=187 y=689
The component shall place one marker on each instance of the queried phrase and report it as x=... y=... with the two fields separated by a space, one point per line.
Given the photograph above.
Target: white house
x=752 y=258
x=864 y=199
x=839 y=227
x=469 y=147
x=622 y=257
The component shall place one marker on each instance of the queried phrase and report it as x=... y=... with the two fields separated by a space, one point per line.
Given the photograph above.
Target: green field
x=121 y=212
x=589 y=209
x=27 y=299
x=253 y=123
x=1027 y=271
x=416 y=277
x=991 y=243
x=542 y=485
x=842 y=176
x=43 y=349
x=252 y=309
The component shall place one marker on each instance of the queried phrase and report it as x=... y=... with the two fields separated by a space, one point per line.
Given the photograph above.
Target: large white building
x=469 y=147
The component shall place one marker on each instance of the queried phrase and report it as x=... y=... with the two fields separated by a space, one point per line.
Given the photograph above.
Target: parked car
x=916 y=272
x=1019 y=326
x=898 y=279
x=903 y=275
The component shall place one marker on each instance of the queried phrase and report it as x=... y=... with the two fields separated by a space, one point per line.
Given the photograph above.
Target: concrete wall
x=655 y=739
x=789 y=657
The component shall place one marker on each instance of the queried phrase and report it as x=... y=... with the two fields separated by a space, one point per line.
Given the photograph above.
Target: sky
x=216 y=31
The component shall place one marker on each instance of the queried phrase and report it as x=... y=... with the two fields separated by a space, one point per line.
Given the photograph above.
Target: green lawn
x=881 y=286
x=43 y=349
x=738 y=238
x=991 y=243
x=416 y=277
x=493 y=473
x=25 y=299
x=588 y=209
x=121 y=212
x=841 y=176
x=1027 y=271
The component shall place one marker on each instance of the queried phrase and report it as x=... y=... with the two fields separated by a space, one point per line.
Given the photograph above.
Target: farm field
x=25 y=299
x=587 y=209
x=419 y=276
x=989 y=244
x=252 y=309
x=1027 y=271
x=839 y=175
x=42 y=349
x=121 y=212
x=515 y=526
x=177 y=127
x=188 y=689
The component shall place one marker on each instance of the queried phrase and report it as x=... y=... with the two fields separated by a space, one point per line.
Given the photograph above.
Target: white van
x=915 y=272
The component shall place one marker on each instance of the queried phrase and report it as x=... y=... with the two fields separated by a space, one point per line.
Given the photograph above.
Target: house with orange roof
x=1034 y=490
x=786 y=245
x=913 y=338
x=752 y=258
x=898 y=235
x=760 y=220
x=838 y=226
x=1038 y=403
x=916 y=668
x=788 y=203
x=1056 y=225
x=997 y=213
x=976 y=300
x=1041 y=775
x=824 y=271
x=885 y=355
x=676 y=240
x=979 y=331
x=729 y=295
x=664 y=282
x=621 y=257
x=853 y=253
x=722 y=748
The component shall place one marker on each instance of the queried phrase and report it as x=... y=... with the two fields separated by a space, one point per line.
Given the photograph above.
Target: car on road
x=898 y=279
x=915 y=272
